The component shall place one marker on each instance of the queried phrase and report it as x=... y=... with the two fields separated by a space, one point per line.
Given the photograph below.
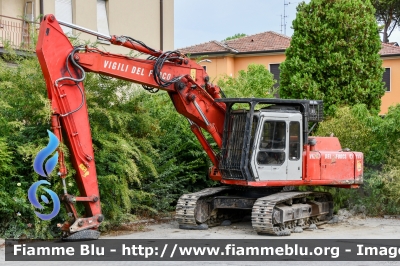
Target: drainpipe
x=41 y=9
x=161 y=25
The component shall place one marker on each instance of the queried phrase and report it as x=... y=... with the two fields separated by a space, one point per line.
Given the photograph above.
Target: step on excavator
x=265 y=150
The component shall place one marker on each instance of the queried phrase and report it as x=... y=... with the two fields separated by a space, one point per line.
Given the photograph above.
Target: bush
x=257 y=81
x=146 y=157
x=23 y=109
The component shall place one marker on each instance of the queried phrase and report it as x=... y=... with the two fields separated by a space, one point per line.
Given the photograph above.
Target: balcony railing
x=17 y=33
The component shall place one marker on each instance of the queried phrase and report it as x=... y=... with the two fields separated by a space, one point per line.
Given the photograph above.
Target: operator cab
x=276 y=144
x=264 y=142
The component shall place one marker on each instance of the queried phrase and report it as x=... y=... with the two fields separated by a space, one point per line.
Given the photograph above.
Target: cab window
x=272 y=143
x=294 y=141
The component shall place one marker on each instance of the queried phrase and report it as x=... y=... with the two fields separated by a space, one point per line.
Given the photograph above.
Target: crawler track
x=275 y=214
x=266 y=218
x=187 y=203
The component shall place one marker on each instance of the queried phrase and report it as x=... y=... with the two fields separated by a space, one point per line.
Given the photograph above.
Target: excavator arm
x=64 y=68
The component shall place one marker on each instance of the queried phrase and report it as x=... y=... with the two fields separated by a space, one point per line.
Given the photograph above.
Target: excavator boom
x=64 y=68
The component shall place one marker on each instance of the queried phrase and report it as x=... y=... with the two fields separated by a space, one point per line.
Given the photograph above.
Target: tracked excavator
x=265 y=150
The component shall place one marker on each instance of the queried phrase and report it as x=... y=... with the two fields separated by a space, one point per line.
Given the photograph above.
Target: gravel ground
x=347 y=228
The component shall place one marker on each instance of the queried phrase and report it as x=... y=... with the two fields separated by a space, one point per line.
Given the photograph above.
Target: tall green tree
x=333 y=55
x=387 y=13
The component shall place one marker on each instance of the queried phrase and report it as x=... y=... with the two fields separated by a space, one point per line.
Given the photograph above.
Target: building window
x=27 y=30
x=386 y=79
x=102 y=19
x=205 y=68
x=63 y=12
x=29 y=11
x=274 y=69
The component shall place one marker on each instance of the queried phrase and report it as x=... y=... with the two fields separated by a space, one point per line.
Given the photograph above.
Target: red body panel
x=321 y=167
x=326 y=144
x=337 y=165
x=52 y=53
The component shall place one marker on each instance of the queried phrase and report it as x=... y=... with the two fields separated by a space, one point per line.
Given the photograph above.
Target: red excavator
x=265 y=150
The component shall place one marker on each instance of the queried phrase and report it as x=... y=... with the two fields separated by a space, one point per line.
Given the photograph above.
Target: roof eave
x=389 y=55
x=209 y=53
x=263 y=52
x=238 y=53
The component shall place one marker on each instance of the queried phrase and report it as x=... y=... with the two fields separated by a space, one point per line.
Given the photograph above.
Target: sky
x=200 y=21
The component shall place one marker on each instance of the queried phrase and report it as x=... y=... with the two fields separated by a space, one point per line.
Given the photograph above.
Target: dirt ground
x=354 y=227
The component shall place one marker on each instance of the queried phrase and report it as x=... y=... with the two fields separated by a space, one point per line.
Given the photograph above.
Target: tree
x=236 y=36
x=333 y=55
x=387 y=13
x=257 y=81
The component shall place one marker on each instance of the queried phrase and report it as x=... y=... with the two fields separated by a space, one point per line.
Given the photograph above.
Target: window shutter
x=64 y=13
x=102 y=19
x=386 y=79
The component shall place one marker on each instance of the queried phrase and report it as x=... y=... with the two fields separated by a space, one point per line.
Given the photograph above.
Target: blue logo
x=32 y=198
x=44 y=153
x=45 y=172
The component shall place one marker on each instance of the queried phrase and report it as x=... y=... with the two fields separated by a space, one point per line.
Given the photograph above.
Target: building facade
x=390 y=55
x=150 y=21
x=268 y=48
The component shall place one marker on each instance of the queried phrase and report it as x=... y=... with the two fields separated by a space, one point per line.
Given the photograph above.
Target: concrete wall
x=142 y=21
x=139 y=19
x=84 y=13
x=135 y=18
x=169 y=25
x=15 y=8
x=48 y=7
x=12 y=8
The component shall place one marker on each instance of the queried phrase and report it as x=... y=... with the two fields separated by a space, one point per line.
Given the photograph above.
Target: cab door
x=295 y=148
x=278 y=147
x=270 y=149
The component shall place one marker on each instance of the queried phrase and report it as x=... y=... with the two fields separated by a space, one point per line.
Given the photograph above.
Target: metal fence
x=17 y=33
